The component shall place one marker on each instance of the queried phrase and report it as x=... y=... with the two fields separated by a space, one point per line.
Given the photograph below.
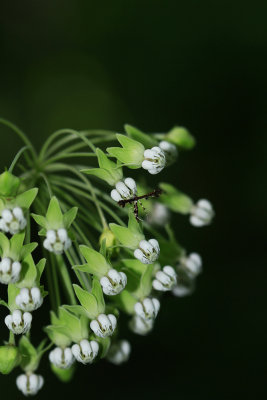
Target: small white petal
x=115 y=195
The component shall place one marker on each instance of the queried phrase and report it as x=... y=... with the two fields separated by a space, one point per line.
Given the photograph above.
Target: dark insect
x=137 y=200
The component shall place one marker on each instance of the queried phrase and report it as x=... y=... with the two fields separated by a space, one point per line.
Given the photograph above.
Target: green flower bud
x=9 y=184
x=9 y=358
x=181 y=137
x=64 y=375
x=109 y=236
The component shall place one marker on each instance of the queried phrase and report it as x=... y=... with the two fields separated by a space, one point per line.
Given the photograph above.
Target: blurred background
x=86 y=64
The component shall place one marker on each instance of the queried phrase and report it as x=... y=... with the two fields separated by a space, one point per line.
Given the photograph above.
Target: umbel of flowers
x=97 y=253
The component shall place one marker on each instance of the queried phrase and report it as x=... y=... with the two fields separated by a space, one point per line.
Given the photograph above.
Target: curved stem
x=76 y=172
x=21 y=134
x=17 y=156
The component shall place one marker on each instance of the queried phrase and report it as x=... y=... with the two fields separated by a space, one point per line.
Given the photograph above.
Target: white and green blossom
x=154 y=160
x=165 y=279
x=29 y=384
x=57 y=241
x=29 y=299
x=113 y=282
x=148 y=251
x=86 y=351
x=201 y=213
x=61 y=357
x=9 y=271
x=12 y=220
x=119 y=352
x=104 y=325
x=19 y=322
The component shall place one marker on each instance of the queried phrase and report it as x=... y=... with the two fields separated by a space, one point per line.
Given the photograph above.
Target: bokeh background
x=153 y=63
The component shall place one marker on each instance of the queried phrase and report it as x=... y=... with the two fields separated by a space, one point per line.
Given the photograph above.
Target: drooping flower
x=192 y=263
x=201 y=213
x=154 y=161
x=148 y=251
x=159 y=214
x=57 y=241
x=18 y=322
x=86 y=351
x=140 y=326
x=29 y=299
x=61 y=357
x=147 y=309
x=124 y=190
x=9 y=271
x=12 y=220
x=104 y=325
x=119 y=352
x=165 y=279
x=29 y=384
x=114 y=282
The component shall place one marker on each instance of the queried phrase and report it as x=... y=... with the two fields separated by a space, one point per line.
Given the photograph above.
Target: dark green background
x=202 y=64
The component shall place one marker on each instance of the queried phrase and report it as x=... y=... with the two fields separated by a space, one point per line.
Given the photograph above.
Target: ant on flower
x=135 y=200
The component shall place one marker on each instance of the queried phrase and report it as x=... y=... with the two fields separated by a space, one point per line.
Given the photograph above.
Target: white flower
x=114 y=282
x=170 y=151
x=201 y=213
x=148 y=251
x=29 y=384
x=104 y=325
x=159 y=214
x=9 y=271
x=57 y=241
x=12 y=220
x=19 y=322
x=185 y=284
x=154 y=160
x=119 y=352
x=61 y=358
x=124 y=190
x=85 y=352
x=165 y=279
x=192 y=263
x=140 y=326
x=29 y=299
x=147 y=309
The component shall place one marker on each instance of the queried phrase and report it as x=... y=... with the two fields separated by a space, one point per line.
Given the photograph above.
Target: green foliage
x=174 y=199
x=9 y=358
x=131 y=153
x=108 y=171
x=9 y=184
x=147 y=140
x=181 y=137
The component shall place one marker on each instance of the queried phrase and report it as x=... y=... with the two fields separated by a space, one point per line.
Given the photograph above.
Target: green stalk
x=22 y=136
x=65 y=278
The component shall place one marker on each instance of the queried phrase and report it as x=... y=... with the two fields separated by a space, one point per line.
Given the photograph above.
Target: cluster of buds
x=12 y=220
x=120 y=272
x=57 y=241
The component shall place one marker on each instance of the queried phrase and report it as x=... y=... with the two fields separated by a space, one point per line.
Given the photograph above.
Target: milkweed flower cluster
x=123 y=253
